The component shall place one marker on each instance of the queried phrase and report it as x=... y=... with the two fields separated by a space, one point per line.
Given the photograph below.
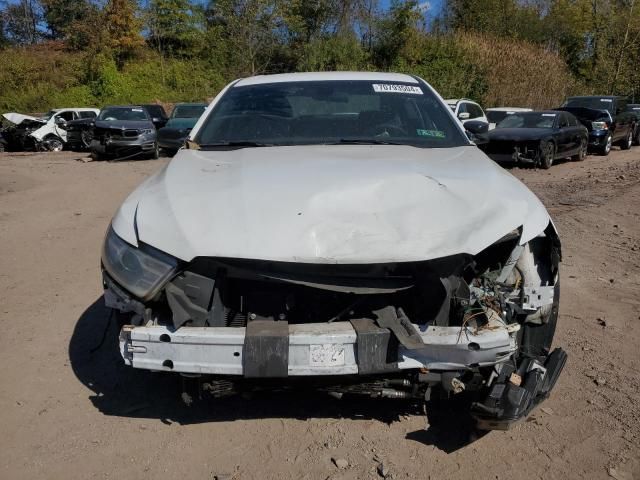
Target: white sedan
x=342 y=228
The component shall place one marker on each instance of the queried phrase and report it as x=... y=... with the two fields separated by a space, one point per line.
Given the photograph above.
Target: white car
x=48 y=130
x=339 y=227
x=496 y=114
x=466 y=110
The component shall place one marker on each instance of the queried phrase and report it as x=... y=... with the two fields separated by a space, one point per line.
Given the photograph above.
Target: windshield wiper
x=242 y=144
x=364 y=141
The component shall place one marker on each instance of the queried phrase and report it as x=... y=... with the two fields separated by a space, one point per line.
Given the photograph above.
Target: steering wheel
x=389 y=130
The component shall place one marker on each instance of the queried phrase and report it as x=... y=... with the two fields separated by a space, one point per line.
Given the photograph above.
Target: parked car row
x=582 y=125
x=115 y=132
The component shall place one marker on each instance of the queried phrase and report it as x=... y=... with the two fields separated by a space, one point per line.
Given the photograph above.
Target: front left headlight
x=141 y=271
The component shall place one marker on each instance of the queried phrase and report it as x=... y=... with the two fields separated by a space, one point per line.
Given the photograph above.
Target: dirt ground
x=67 y=411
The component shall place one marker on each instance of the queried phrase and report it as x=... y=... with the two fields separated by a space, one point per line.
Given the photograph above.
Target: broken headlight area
x=141 y=271
x=478 y=324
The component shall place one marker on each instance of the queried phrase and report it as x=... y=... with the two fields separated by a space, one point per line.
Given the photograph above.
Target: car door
x=563 y=134
x=59 y=126
x=476 y=112
x=624 y=118
x=580 y=133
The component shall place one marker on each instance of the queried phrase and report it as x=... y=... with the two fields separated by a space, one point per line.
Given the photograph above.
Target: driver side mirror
x=477 y=131
x=61 y=122
x=464 y=115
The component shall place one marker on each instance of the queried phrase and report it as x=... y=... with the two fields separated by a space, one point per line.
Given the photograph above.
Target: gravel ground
x=68 y=412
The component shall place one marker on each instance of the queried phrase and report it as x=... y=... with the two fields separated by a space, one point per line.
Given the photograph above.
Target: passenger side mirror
x=61 y=122
x=464 y=115
x=477 y=131
x=156 y=119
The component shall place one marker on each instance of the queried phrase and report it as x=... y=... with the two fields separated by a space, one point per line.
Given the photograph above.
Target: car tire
x=606 y=148
x=628 y=141
x=546 y=155
x=636 y=136
x=55 y=143
x=85 y=137
x=155 y=155
x=582 y=153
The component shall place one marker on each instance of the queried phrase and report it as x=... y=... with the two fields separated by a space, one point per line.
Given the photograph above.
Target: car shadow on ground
x=119 y=390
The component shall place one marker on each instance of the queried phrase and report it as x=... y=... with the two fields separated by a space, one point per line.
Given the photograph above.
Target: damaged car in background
x=340 y=231
x=124 y=132
x=537 y=139
x=46 y=133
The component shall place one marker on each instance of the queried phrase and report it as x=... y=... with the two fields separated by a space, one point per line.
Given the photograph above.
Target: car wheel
x=54 y=144
x=628 y=141
x=86 y=136
x=636 y=136
x=606 y=148
x=582 y=153
x=547 y=152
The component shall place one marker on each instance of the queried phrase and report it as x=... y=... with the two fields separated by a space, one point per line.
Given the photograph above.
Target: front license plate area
x=326 y=355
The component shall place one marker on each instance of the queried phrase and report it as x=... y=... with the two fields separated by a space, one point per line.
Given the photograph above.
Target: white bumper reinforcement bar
x=314 y=349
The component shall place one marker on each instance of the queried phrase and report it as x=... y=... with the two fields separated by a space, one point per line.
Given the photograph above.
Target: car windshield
x=496 y=116
x=48 y=115
x=123 y=113
x=330 y=112
x=597 y=103
x=528 y=120
x=188 y=111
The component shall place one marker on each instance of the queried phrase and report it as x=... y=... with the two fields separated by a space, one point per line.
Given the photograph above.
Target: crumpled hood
x=18 y=118
x=329 y=204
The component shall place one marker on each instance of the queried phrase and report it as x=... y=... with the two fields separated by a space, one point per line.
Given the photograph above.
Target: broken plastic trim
x=517 y=392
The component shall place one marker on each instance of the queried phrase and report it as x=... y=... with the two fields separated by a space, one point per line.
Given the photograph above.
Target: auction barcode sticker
x=396 y=88
x=326 y=355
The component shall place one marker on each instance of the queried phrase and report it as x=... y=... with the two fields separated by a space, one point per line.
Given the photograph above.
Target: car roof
x=190 y=103
x=325 y=76
x=123 y=106
x=455 y=101
x=595 y=96
x=77 y=109
x=508 y=109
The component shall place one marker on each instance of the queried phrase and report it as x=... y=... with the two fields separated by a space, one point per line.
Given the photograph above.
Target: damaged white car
x=47 y=133
x=340 y=227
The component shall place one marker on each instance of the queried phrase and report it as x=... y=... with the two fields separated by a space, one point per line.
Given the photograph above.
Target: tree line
x=526 y=52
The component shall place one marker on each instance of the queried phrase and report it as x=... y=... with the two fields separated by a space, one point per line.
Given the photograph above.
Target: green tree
x=122 y=26
x=21 y=22
x=247 y=33
x=175 y=27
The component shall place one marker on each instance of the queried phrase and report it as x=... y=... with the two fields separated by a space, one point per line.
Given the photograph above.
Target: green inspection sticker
x=430 y=133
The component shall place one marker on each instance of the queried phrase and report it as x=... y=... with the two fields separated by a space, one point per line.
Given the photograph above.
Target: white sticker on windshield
x=548 y=114
x=396 y=88
x=608 y=100
x=136 y=109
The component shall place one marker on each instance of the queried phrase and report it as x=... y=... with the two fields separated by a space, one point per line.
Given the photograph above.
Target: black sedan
x=537 y=138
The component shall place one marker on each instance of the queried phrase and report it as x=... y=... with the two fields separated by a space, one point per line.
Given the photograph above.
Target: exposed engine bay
x=480 y=324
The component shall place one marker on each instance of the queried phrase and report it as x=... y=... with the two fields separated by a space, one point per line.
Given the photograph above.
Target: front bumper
x=122 y=146
x=171 y=143
x=598 y=139
x=313 y=349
